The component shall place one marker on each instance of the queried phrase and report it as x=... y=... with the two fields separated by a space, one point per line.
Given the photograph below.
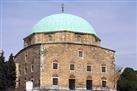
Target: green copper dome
x=63 y=22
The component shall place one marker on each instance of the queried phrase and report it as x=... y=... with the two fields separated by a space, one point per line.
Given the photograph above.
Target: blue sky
x=113 y=20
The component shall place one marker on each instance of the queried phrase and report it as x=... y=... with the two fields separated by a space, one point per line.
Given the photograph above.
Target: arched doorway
x=72 y=82
x=89 y=83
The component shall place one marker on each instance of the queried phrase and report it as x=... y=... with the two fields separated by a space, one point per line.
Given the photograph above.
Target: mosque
x=63 y=52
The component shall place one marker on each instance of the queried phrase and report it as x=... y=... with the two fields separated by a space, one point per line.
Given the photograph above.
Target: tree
x=11 y=72
x=127 y=81
x=2 y=72
x=7 y=72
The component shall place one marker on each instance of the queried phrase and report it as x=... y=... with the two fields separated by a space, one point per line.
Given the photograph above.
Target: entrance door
x=71 y=84
x=89 y=84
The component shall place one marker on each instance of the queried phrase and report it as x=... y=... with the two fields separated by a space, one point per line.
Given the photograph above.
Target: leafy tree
x=127 y=81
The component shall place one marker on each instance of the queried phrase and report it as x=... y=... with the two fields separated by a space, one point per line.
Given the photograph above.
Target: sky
x=115 y=22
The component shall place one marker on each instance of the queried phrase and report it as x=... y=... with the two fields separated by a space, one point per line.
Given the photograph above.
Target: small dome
x=63 y=22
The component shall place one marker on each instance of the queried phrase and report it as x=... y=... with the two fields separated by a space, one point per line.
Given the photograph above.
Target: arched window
x=50 y=38
x=72 y=67
x=26 y=56
x=80 y=54
x=78 y=38
x=103 y=68
x=104 y=81
x=55 y=79
x=32 y=67
x=19 y=67
x=55 y=65
x=89 y=67
x=25 y=70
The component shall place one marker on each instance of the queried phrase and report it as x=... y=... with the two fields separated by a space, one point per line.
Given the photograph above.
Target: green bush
x=127 y=81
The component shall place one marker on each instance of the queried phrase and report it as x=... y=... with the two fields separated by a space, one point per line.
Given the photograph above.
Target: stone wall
x=24 y=61
x=64 y=36
x=67 y=53
x=42 y=49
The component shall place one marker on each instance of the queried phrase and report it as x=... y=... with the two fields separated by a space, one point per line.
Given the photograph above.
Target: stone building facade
x=65 y=59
